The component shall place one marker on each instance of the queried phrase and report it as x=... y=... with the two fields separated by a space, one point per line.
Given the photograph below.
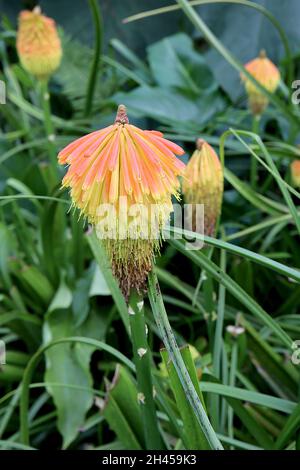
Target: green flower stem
x=94 y=6
x=78 y=245
x=254 y=163
x=49 y=129
x=142 y=360
x=202 y=277
x=218 y=342
x=167 y=335
x=232 y=375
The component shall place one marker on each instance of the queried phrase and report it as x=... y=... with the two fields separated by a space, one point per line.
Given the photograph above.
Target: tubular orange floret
x=295 y=173
x=135 y=172
x=267 y=74
x=203 y=184
x=38 y=43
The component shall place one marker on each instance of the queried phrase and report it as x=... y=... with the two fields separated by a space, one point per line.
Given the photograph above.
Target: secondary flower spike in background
x=267 y=74
x=203 y=184
x=295 y=173
x=122 y=179
x=38 y=44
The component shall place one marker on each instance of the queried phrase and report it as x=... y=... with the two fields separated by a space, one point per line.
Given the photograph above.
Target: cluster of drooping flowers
x=267 y=74
x=122 y=179
x=38 y=44
x=203 y=184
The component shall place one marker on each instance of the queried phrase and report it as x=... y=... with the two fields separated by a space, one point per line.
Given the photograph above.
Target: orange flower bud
x=203 y=184
x=295 y=173
x=267 y=74
x=38 y=44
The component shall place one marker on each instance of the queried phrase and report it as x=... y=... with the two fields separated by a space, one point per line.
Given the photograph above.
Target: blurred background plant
x=236 y=303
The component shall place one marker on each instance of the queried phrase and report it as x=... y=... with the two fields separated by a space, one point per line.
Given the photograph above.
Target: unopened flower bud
x=203 y=184
x=295 y=173
x=267 y=74
x=38 y=44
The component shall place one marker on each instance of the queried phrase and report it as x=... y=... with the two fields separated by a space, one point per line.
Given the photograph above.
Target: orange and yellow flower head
x=295 y=173
x=38 y=44
x=267 y=74
x=203 y=184
x=122 y=179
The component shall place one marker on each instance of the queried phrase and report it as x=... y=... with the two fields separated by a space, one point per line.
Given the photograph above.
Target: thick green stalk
x=94 y=6
x=78 y=245
x=167 y=335
x=142 y=360
x=202 y=277
x=218 y=343
x=49 y=129
x=233 y=368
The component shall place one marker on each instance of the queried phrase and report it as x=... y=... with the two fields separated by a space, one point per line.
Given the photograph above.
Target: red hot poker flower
x=122 y=179
x=38 y=43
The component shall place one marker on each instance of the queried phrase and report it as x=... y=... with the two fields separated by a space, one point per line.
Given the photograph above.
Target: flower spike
x=267 y=74
x=203 y=184
x=38 y=44
x=295 y=173
x=122 y=178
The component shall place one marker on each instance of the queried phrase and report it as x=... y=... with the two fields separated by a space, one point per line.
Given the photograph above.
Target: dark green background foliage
x=241 y=29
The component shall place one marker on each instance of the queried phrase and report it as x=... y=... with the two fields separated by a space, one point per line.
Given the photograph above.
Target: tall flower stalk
x=40 y=53
x=168 y=337
x=142 y=360
x=38 y=44
x=49 y=129
x=122 y=179
x=268 y=75
x=97 y=18
x=254 y=164
x=132 y=174
x=295 y=173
